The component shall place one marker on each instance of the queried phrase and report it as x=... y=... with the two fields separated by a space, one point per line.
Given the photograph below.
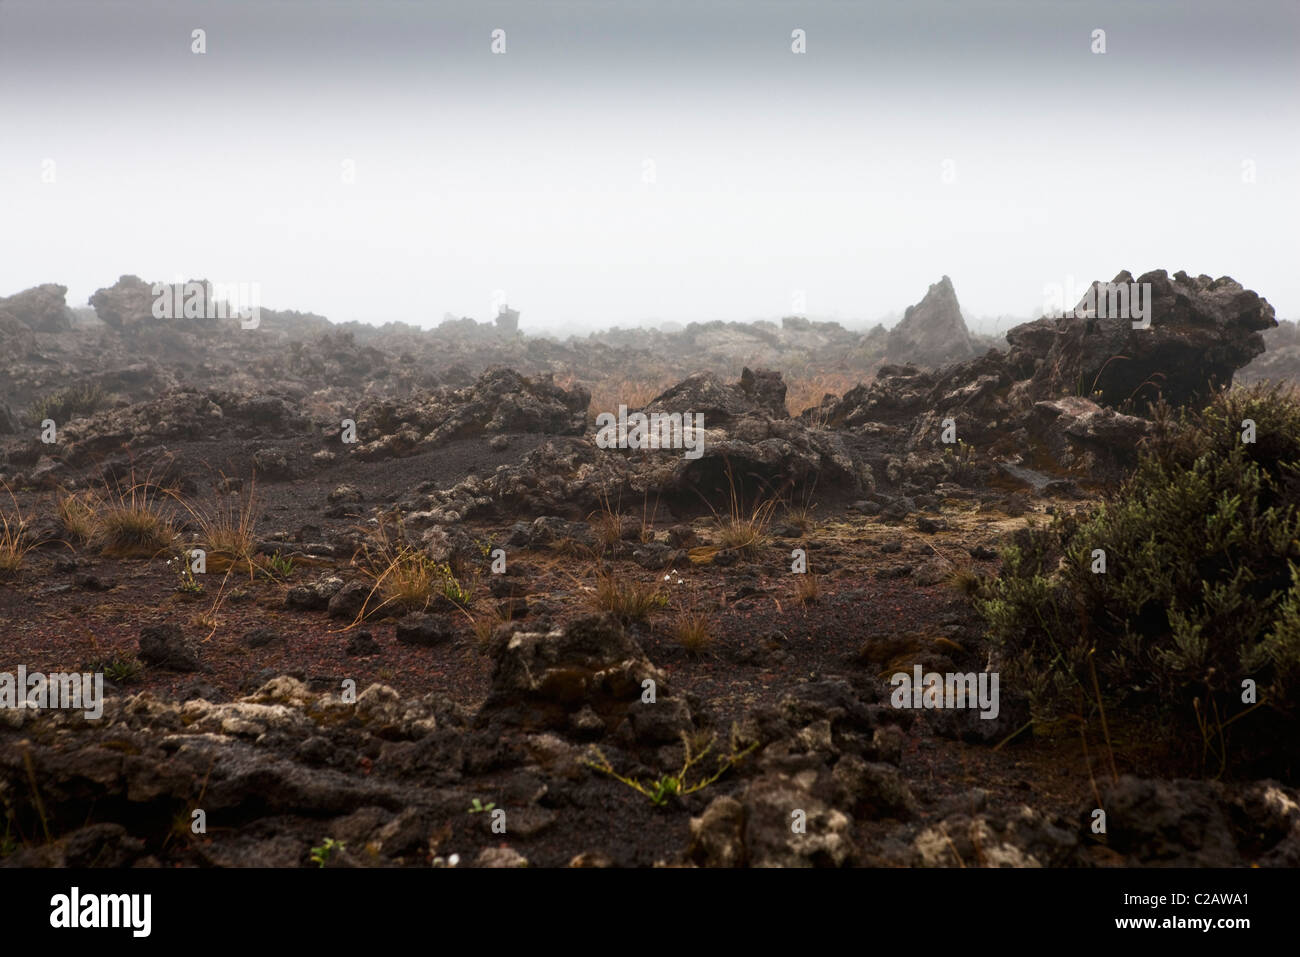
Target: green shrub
x=1200 y=593
x=67 y=404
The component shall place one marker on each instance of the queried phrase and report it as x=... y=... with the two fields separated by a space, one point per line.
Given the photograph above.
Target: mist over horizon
x=648 y=163
x=658 y=436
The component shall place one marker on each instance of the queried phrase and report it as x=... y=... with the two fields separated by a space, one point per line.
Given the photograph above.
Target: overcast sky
x=648 y=161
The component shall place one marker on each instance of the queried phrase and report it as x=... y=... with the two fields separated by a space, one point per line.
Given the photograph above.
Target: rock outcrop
x=42 y=308
x=125 y=304
x=748 y=440
x=932 y=332
x=501 y=401
x=1067 y=382
x=1201 y=332
x=1280 y=361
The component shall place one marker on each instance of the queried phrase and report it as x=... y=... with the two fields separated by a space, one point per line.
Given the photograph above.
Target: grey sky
x=774 y=174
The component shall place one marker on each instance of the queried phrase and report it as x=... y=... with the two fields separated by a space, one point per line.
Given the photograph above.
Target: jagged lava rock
x=932 y=332
x=1202 y=330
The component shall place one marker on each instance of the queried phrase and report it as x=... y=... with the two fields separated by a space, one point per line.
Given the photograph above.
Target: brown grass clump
x=406 y=579
x=78 y=515
x=801 y=517
x=742 y=530
x=693 y=630
x=627 y=598
x=228 y=531
x=966 y=580
x=132 y=522
x=807 y=588
x=609 y=522
x=609 y=393
x=14 y=544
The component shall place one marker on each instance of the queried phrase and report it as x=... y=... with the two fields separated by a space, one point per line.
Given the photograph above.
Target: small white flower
x=453 y=860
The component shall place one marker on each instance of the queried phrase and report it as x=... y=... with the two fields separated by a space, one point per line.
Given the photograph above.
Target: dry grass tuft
x=965 y=579
x=742 y=530
x=693 y=630
x=806 y=392
x=627 y=598
x=406 y=579
x=133 y=522
x=801 y=517
x=609 y=393
x=78 y=515
x=14 y=544
x=807 y=588
x=228 y=530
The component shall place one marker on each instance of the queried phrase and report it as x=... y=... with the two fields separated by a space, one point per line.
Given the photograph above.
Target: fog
x=647 y=162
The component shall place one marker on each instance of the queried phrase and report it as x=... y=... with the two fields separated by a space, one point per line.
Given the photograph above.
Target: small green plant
x=120 y=669
x=959 y=462
x=478 y=807
x=659 y=791
x=322 y=855
x=278 y=566
x=452 y=588
x=67 y=404
x=182 y=567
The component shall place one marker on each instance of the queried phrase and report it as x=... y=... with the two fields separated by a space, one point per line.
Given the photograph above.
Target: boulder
x=164 y=646
x=126 y=303
x=1201 y=332
x=1083 y=435
x=42 y=308
x=540 y=679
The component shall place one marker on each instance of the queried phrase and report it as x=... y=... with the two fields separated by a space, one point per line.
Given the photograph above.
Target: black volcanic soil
x=71 y=607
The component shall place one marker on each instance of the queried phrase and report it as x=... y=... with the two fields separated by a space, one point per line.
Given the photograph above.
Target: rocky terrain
x=439 y=624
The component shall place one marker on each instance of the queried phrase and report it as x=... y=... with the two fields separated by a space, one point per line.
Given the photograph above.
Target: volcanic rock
x=932 y=332
x=41 y=309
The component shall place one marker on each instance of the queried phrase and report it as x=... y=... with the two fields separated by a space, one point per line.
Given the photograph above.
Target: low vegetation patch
x=227 y=529
x=406 y=578
x=67 y=404
x=662 y=790
x=132 y=519
x=1178 y=599
x=627 y=598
